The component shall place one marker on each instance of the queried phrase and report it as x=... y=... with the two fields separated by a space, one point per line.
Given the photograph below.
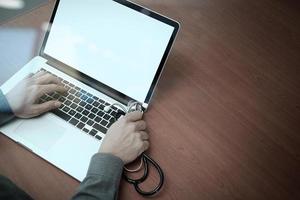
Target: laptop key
x=62 y=115
x=71 y=97
x=104 y=122
x=95 y=110
x=95 y=98
x=73 y=121
x=72 y=112
x=73 y=106
x=78 y=116
x=97 y=119
x=56 y=96
x=65 y=94
x=109 y=124
x=106 y=116
x=65 y=82
x=85 y=130
x=96 y=104
x=98 y=137
x=101 y=101
x=84 y=97
x=90 y=123
x=82 y=103
x=68 y=102
x=91 y=116
x=90 y=100
x=62 y=99
x=114 y=113
x=76 y=100
x=102 y=106
x=88 y=107
x=100 y=113
x=84 y=119
x=100 y=128
x=66 y=109
x=80 y=125
x=86 y=112
x=93 y=132
x=77 y=88
x=79 y=109
x=78 y=94
x=112 y=119
x=68 y=88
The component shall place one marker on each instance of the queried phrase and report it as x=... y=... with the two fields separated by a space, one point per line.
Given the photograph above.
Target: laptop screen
x=118 y=46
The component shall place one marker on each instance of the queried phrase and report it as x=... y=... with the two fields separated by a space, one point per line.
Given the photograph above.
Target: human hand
x=126 y=138
x=23 y=98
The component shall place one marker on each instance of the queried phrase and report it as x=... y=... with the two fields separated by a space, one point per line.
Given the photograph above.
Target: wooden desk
x=224 y=122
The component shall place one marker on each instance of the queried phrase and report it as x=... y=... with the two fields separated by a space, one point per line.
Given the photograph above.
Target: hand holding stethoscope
x=145 y=159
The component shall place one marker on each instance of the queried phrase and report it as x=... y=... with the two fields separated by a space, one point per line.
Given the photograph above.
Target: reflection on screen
x=116 y=45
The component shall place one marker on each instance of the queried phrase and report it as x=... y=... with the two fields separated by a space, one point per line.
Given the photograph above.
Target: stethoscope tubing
x=136 y=182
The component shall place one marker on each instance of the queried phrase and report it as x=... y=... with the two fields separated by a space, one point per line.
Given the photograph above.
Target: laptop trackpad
x=42 y=134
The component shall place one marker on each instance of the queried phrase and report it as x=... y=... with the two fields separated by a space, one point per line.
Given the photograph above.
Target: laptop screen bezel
x=119 y=96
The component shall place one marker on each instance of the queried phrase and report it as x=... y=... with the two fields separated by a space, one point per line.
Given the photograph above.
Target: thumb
x=47 y=106
x=134 y=116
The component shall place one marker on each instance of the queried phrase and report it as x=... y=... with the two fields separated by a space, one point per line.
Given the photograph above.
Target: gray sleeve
x=6 y=113
x=102 y=179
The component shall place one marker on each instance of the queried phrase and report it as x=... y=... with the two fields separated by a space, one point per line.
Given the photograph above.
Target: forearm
x=6 y=113
x=102 y=180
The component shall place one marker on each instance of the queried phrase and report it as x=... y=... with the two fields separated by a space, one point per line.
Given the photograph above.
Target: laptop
x=104 y=52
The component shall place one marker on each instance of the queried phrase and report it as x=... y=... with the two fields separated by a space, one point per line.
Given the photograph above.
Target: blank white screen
x=112 y=43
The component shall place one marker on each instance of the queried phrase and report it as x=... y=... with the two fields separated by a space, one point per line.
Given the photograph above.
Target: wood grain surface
x=225 y=119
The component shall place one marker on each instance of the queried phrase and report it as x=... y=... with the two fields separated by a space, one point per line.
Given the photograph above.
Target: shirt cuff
x=6 y=113
x=105 y=165
x=4 y=105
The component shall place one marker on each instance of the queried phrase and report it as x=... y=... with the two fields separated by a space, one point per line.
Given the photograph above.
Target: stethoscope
x=145 y=159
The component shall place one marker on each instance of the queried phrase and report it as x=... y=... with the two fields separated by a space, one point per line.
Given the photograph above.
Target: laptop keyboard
x=83 y=110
